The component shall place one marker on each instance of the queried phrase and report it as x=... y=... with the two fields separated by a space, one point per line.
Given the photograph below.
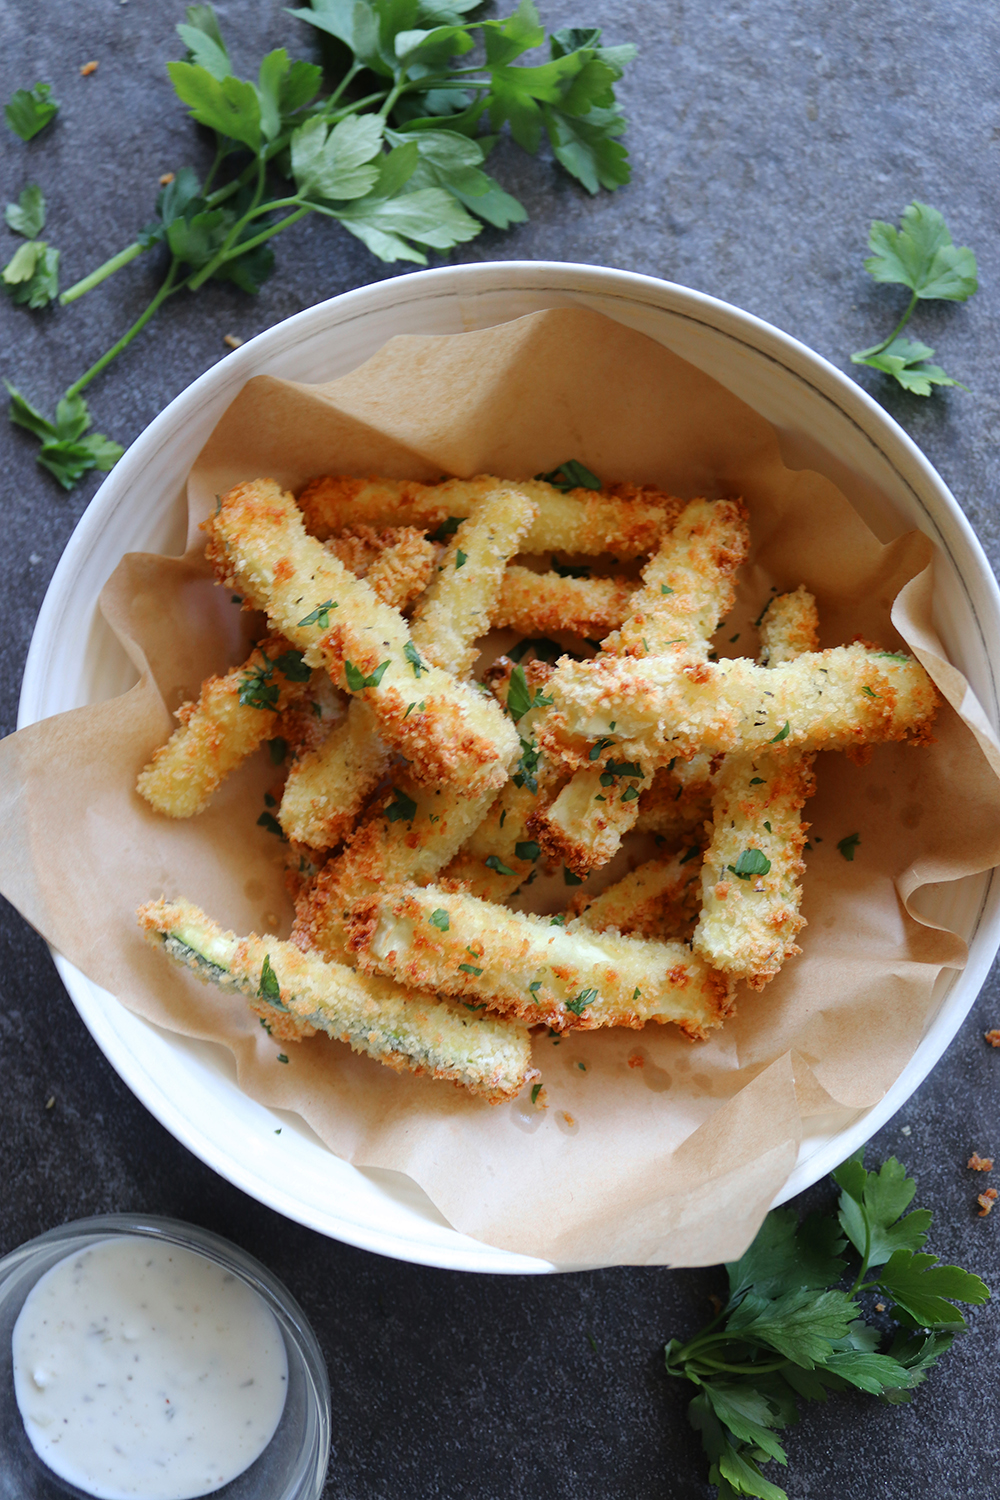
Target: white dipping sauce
x=144 y=1369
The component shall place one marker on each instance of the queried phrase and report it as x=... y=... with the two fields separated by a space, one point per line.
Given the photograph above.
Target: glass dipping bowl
x=291 y=1467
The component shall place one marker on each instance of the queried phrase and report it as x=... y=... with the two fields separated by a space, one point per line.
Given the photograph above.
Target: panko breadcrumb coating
x=658 y=899
x=327 y=787
x=625 y=520
x=395 y=563
x=448 y=731
x=538 y=603
x=300 y=994
x=232 y=716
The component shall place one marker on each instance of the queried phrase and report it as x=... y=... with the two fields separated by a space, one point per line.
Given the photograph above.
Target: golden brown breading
x=626 y=520
x=459 y=604
x=447 y=730
x=659 y=899
x=232 y=716
x=531 y=967
x=847 y=697
x=327 y=787
x=689 y=585
x=539 y=603
x=789 y=627
x=676 y=809
x=403 y=1029
x=396 y=563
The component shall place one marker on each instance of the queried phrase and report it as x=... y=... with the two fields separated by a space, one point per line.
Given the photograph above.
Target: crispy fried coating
x=789 y=628
x=327 y=787
x=459 y=604
x=841 y=699
x=626 y=520
x=396 y=563
x=411 y=832
x=302 y=994
x=531 y=967
x=447 y=730
x=673 y=808
x=659 y=899
x=751 y=893
x=232 y=716
x=689 y=585
x=538 y=603
x=750 y=916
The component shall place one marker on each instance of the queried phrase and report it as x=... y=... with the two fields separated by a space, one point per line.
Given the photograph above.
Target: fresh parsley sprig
x=394 y=152
x=790 y=1332
x=30 y=110
x=921 y=255
x=31 y=276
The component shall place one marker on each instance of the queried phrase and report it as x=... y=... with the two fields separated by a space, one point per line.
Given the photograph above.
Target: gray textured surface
x=764 y=138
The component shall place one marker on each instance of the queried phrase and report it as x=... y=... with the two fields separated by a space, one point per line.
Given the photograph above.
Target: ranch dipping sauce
x=143 y=1369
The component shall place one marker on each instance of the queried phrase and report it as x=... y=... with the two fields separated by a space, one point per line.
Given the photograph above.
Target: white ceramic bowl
x=825 y=421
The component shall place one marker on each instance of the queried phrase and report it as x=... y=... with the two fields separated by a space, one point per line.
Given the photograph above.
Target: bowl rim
x=946 y=523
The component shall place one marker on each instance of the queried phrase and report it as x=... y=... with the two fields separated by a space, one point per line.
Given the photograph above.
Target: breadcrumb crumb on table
x=977 y=1163
x=166 y=178
x=89 y=67
x=986 y=1201
x=993 y=1037
x=233 y=340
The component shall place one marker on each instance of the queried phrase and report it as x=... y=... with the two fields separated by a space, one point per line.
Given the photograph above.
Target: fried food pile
x=417 y=800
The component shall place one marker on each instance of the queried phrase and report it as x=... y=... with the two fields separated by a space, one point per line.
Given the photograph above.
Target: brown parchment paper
x=674 y=1160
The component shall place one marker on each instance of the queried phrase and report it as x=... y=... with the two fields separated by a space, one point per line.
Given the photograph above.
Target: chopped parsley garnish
x=470 y=969
x=320 y=615
x=544 y=649
x=559 y=920
x=598 y=747
x=447 y=529
x=292 y=665
x=635 y=993
x=278 y=750
x=848 y=845
x=528 y=849
x=569 y=878
x=494 y=862
x=269 y=821
x=782 y=734
x=269 y=988
x=690 y=853
x=440 y=919
x=768 y=827
x=571 y=475
x=536 y=1089
x=750 y=862
x=403 y=807
x=870 y=693
x=461 y=558
x=892 y=655
x=356 y=679
x=582 y=1000
x=527 y=767
x=256 y=688
x=413 y=657
x=470 y=1005
x=270 y=801
x=757 y=781
x=534 y=986
x=282 y=1057
x=624 y=768
x=630 y=794
x=519 y=696
x=664 y=589
x=567 y=570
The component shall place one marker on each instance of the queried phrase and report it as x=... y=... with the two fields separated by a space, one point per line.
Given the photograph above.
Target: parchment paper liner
x=671 y=1162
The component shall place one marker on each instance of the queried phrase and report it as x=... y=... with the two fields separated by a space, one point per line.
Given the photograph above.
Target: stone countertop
x=764 y=137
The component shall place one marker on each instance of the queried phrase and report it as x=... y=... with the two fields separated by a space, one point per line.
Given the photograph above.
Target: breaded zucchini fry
x=531 y=967
x=537 y=603
x=841 y=699
x=750 y=878
x=626 y=520
x=233 y=715
x=689 y=585
x=396 y=563
x=658 y=899
x=447 y=730
x=410 y=834
x=298 y=994
x=457 y=608
x=676 y=809
x=327 y=788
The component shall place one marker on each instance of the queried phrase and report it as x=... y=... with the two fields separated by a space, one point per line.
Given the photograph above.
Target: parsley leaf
x=27 y=215
x=447 y=529
x=920 y=1285
x=356 y=679
x=269 y=821
x=519 y=696
x=848 y=845
x=921 y=256
x=65 y=450
x=470 y=969
x=439 y=918
x=31 y=276
x=403 y=807
x=320 y=615
x=579 y=1004
x=30 y=110
x=750 y=862
x=269 y=988
x=528 y=850
x=257 y=690
x=292 y=664
x=571 y=475
x=413 y=657
x=494 y=862
x=782 y=734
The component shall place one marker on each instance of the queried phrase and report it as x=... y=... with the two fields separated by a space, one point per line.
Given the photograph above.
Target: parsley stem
x=216 y=164
x=79 y=288
x=864 y=1259
x=347 y=79
x=165 y=291
x=224 y=255
x=898 y=328
x=749 y=1369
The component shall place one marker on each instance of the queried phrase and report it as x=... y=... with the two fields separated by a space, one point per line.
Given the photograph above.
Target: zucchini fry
x=457 y=608
x=626 y=520
x=751 y=894
x=538 y=603
x=233 y=715
x=531 y=967
x=297 y=994
x=845 y=698
x=396 y=563
x=658 y=899
x=675 y=809
x=327 y=787
x=688 y=586
x=410 y=834
x=447 y=730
